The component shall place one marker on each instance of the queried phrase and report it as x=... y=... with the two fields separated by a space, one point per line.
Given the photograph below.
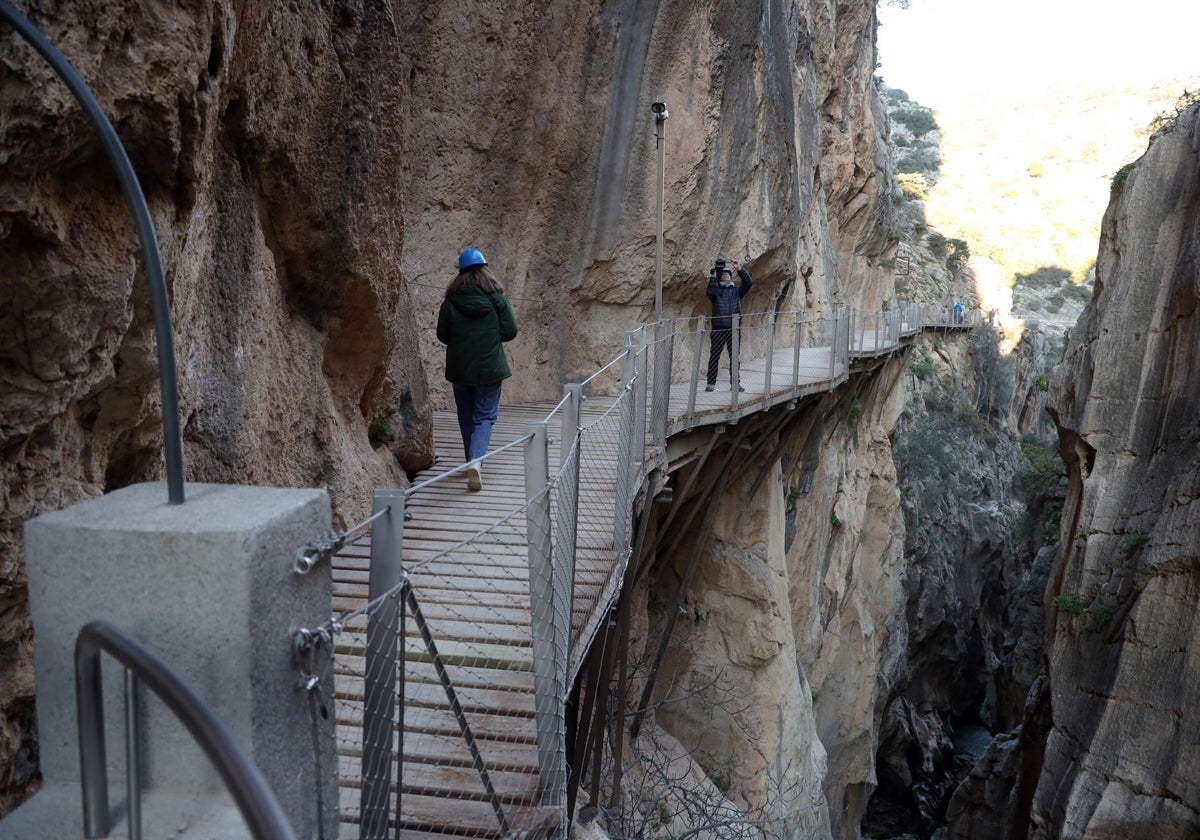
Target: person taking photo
x=726 y=297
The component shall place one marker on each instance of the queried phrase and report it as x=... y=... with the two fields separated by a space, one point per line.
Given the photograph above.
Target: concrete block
x=207 y=586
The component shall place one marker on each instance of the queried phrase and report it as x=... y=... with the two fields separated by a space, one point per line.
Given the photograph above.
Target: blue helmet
x=471 y=257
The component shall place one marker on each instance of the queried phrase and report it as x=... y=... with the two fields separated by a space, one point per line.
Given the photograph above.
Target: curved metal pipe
x=172 y=439
x=249 y=790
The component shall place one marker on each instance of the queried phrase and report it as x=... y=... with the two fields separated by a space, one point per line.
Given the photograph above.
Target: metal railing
x=249 y=790
x=470 y=642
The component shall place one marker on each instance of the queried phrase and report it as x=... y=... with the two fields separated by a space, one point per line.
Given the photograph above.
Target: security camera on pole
x=660 y=141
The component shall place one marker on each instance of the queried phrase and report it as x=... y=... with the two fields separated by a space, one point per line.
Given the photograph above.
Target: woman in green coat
x=474 y=322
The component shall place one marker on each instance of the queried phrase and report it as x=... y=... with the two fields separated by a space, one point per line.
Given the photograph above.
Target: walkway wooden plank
x=476 y=599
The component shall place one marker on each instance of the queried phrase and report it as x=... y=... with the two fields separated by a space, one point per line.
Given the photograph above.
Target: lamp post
x=660 y=142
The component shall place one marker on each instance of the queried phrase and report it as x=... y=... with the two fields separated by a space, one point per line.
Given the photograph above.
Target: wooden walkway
x=477 y=602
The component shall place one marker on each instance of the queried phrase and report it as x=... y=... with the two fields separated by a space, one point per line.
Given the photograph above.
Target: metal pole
x=159 y=305
x=549 y=644
x=796 y=355
x=255 y=800
x=735 y=371
x=401 y=688
x=566 y=559
x=660 y=141
x=464 y=727
x=624 y=465
x=844 y=343
x=833 y=343
x=662 y=382
x=641 y=392
x=133 y=739
x=93 y=768
x=379 y=690
x=770 y=357
x=695 y=386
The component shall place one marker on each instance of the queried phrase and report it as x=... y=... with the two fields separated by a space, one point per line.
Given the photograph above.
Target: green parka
x=472 y=325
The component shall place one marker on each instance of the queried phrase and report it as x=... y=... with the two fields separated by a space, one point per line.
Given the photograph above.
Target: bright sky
x=940 y=50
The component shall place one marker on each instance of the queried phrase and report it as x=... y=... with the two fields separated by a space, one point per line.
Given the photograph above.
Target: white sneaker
x=474 y=477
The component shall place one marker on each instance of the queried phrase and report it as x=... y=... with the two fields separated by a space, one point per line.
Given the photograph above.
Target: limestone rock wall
x=784 y=604
x=263 y=140
x=973 y=592
x=313 y=174
x=540 y=151
x=1123 y=654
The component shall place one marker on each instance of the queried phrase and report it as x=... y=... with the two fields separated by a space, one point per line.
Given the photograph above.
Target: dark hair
x=477 y=276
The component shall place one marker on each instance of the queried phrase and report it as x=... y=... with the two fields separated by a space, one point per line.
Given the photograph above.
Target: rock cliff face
x=784 y=603
x=263 y=140
x=312 y=176
x=1123 y=655
x=966 y=577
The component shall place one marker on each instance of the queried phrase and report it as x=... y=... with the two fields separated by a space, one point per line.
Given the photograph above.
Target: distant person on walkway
x=726 y=297
x=958 y=311
x=474 y=321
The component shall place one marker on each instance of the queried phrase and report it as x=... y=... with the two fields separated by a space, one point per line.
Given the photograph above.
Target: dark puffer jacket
x=727 y=300
x=472 y=325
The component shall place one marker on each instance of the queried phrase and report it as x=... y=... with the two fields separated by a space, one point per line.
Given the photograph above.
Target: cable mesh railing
x=438 y=679
x=449 y=660
x=607 y=476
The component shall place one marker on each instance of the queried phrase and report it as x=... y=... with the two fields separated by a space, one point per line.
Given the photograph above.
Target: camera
x=660 y=110
x=722 y=264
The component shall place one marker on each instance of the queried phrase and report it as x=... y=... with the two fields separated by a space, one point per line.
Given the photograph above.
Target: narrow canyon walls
x=1123 y=653
x=313 y=173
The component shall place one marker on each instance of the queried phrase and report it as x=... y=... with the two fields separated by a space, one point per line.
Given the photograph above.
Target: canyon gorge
x=955 y=597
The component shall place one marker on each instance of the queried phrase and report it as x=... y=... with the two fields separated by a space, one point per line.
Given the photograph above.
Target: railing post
x=570 y=420
x=691 y=409
x=133 y=749
x=383 y=648
x=847 y=326
x=623 y=454
x=844 y=344
x=549 y=640
x=833 y=340
x=93 y=766
x=770 y=361
x=797 y=337
x=568 y=499
x=664 y=342
x=641 y=389
x=735 y=369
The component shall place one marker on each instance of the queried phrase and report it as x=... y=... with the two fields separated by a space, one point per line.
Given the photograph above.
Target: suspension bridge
x=463 y=619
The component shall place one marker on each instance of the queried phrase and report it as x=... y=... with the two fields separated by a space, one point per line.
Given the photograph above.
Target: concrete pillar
x=206 y=585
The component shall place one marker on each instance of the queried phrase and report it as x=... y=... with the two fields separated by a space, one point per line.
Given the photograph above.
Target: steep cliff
x=777 y=588
x=262 y=140
x=974 y=481
x=1123 y=654
x=312 y=176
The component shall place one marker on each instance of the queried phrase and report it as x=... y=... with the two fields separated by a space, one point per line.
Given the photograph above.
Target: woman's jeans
x=477 y=407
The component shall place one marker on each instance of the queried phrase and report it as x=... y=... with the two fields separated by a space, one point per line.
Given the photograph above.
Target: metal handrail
x=172 y=438
x=258 y=805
